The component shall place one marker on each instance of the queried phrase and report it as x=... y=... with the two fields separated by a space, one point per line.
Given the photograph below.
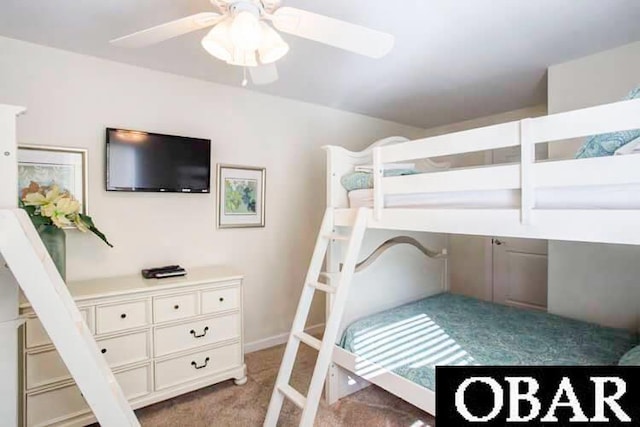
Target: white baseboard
x=275 y=340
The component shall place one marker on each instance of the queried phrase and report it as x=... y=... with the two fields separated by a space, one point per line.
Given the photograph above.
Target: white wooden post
x=9 y=321
x=445 y=273
x=527 y=160
x=378 y=173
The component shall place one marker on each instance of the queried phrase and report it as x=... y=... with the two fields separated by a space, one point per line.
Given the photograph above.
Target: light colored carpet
x=226 y=404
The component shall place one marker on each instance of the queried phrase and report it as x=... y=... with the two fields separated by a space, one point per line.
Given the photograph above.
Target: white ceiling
x=453 y=60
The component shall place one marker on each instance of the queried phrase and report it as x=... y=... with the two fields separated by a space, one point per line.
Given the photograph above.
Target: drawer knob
x=103 y=351
x=123 y=316
x=175 y=307
x=221 y=299
x=204 y=365
x=204 y=332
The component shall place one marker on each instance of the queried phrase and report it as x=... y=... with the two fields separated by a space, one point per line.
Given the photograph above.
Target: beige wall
x=593 y=80
x=594 y=282
x=508 y=116
x=72 y=98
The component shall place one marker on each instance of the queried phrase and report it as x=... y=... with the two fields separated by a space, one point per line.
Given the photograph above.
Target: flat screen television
x=145 y=161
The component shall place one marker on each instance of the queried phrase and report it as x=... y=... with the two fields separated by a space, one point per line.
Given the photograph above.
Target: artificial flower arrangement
x=49 y=205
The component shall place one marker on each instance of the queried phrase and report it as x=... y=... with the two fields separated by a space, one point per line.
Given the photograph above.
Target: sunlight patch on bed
x=379 y=328
x=403 y=336
x=414 y=343
x=374 y=334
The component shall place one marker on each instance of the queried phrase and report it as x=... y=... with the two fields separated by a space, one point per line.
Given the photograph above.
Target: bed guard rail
x=525 y=133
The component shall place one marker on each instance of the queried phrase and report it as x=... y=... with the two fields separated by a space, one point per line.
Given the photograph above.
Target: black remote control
x=165 y=268
x=166 y=271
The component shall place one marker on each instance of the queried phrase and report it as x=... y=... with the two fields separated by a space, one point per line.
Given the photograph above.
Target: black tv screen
x=144 y=161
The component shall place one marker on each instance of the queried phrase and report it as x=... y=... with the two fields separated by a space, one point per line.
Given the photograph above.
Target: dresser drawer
x=65 y=402
x=220 y=299
x=47 y=367
x=174 y=307
x=48 y=407
x=35 y=335
x=135 y=382
x=117 y=317
x=187 y=368
x=125 y=349
x=188 y=335
x=44 y=368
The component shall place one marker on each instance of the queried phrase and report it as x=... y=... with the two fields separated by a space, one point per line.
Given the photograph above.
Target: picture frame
x=241 y=197
x=64 y=166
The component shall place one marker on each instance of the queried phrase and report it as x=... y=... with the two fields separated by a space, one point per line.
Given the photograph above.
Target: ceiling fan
x=242 y=36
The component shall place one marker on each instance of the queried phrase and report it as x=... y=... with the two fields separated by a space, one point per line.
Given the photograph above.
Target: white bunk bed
x=538 y=212
x=591 y=200
x=582 y=178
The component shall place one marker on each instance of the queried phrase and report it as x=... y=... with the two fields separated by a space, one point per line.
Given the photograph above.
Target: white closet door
x=520 y=272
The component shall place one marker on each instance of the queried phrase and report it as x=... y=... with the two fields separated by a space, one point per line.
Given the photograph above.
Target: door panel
x=470 y=260
x=520 y=272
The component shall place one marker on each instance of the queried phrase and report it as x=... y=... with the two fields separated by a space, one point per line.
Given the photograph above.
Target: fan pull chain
x=244 y=78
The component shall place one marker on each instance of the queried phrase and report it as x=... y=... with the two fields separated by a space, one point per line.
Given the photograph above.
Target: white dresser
x=162 y=338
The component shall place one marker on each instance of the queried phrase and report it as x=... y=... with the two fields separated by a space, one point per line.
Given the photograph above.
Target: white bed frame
x=25 y=264
x=612 y=225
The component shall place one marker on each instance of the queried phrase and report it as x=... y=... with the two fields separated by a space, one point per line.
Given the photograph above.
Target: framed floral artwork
x=241 y=196
x=62 y=166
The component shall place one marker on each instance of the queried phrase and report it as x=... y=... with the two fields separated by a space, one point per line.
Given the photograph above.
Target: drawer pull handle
x=103 y=351
x=221 y=299
x=123 y=316
x=175 y=307
x=204 y=332
x=195 y=365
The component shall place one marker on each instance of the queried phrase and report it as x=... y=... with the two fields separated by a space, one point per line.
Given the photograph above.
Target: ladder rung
x=335 y=236
x=308 y=340
x=322 y=287
x=293 y=395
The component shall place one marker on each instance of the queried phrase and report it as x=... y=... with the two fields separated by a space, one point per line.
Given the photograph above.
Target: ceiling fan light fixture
x=243 y=58
x=272 y=47
x=218 y=43
x=246 y=33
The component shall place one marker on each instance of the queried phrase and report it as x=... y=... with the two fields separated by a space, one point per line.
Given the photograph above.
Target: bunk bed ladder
x=32 y=267
x=340 y=291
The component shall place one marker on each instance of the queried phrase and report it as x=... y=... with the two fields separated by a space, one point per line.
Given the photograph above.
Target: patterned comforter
x=447 y=329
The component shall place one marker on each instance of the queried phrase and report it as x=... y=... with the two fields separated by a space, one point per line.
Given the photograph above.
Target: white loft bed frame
x=26 y=264
x=613 y=225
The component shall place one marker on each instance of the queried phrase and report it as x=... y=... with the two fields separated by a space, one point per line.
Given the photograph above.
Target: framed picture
x=241 y=196
x=65 y=167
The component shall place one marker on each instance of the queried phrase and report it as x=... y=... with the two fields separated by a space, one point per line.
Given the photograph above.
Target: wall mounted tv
x=144 y=161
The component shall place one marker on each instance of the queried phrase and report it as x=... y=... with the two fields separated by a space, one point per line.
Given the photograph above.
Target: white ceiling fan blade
x=264 y=74
x=271 y=5
x=340 y=34
x=167 y=31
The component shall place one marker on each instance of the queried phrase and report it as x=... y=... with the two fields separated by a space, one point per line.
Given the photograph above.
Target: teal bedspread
x=447 y=329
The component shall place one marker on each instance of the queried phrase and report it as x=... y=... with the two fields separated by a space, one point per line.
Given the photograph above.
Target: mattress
x=448 y=329
x=586 y=197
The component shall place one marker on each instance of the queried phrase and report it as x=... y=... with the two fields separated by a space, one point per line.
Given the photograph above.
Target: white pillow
x=632 y=147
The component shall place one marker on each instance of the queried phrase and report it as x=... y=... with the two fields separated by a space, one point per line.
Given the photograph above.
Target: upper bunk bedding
x=552 y=194
x=448 y=329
